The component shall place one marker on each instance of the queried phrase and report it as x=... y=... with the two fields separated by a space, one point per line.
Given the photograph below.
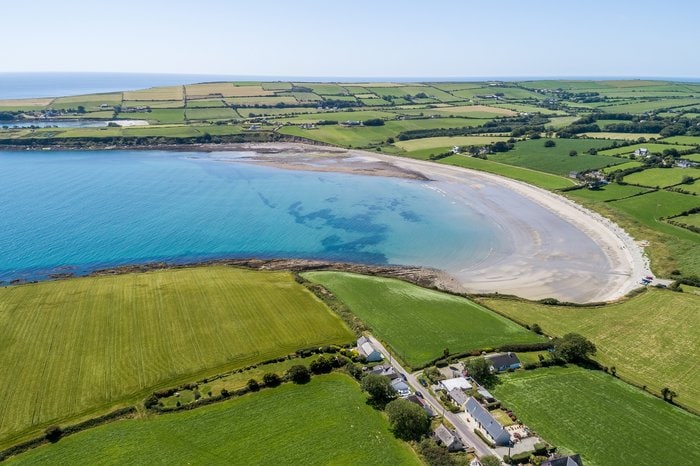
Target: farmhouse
x=574 y=460
x=487 y=424
x=503 y=361
x=641 y=152
x=457 y=382
x=443 y=436
x=365 y=348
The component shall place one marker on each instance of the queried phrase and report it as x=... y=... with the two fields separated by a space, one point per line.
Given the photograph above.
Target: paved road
x=468 y=436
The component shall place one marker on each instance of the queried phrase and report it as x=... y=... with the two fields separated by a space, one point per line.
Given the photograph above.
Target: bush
x=253 y=385
x=225 y=393
x=408 y=420
x=549 y=143
x=271 y=379
x=321 y=366
x=441 y=363
x=299 y=374
x=53 y=433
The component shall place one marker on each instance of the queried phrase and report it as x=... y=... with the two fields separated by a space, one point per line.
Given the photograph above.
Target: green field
x=417 y=323
x=622 y=166
x=137 y=332
x=608 y=192
x=556 y=160
x=324 y=422
x=648 y=338
x=685 y=140
x=605 y=420
x=158 y=115
x=543 y=180
x=661 y=177
x=210 y=113
x=653 y=148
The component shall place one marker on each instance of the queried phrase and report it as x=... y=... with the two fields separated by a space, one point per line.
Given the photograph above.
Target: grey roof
x=573 y=460
x=399 y=385
x=445 y=436
x=385 y=370
x=458 y=396
x=503 y=359
x=499 y=434
x=485 y=393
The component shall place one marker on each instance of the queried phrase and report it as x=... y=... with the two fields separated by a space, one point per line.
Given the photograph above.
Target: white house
x=365 y=348
x=457 y=382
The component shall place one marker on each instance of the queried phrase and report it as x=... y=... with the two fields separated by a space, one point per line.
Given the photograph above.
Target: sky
x=360 y=38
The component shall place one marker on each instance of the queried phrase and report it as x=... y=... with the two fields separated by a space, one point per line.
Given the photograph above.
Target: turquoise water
x=79 y=211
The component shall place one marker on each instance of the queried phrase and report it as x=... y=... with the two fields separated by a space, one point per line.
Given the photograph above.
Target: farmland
x=600 y=417
x=535 y=155
x=138 y=332
x=325 y=421
x=647 y=338
x=661 y=177
x=417 y=323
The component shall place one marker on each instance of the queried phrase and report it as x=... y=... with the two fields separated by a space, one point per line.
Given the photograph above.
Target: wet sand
x=553 y=247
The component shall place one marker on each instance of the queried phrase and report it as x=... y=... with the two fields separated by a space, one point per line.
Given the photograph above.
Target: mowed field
x=73 y=348
x=651 y=339
x=417 y=323
x=604 y=419
x=324 y=422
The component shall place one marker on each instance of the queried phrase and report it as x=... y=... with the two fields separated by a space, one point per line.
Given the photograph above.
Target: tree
x=355 y=370
x=536 y=328
x=549 y=143
x=53 y=433
x=379 y=389
x=408 y=420
x=573 y=153
x=299 y=374
x=668 y=394
x=489 y=460
x=435 y=455
x=574 y=347
x=253 y=385
x=480 y=369
x=271 y=379
x=320 y=366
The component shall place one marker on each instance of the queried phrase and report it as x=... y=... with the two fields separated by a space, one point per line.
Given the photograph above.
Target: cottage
x=457 y=382
x=401 y=387
x=443 y=436
x=366 y=349
x=641 y=152
x=573 y=460
x=684 y=163
x=385 y=370
x=503 y=361
x=422 y=403
x=487 y=423
x=459 y=397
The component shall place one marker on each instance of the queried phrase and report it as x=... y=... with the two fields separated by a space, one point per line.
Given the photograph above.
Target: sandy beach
x=555 y=248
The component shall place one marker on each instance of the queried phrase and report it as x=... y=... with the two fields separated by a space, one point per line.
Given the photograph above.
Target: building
x=422 y=403
x=385 y=370
x=641 y=152
x=458 y=397
x=501 y=362
x=574 y=460
x=401 y=387
x=366 y=349
x=488 y=397
x=457 y=382
x=487 y=424
x=443 y=436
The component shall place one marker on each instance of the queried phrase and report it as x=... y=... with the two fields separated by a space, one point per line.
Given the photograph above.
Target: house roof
x=458 y=396
x=485 y=393
x=457 y=382
x=399 y=385
x=444 y=435
x=367 y=348
x=573 y=460
x=503 y=359
x=385 y=370
x=488 y=423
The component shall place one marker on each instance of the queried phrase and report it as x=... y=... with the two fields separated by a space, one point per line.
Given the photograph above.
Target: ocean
x=77 y=211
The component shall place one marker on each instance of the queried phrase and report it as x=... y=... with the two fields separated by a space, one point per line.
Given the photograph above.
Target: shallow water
x=78 y=211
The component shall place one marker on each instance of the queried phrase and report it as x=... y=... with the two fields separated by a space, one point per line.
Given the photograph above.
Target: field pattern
x=137 y=332
x=324 y=422
x=648 y=338
x=419 y=323
x=605 y=420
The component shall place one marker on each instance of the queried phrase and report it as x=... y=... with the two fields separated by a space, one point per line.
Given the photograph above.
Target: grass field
x=648 y=338
x=447 y=142
x=627 y=136
x=417 y=323
x=159 y=115
x=608 y=192
x=684 y=140
x=622 y=166
x=81 y=346
x=324 y=422
x=605 y=420
x=556 y=160
x=641 y=107
x=210 y=113
x=543 y=180
x=653 y=148
x=156 y=93
x=661 y=177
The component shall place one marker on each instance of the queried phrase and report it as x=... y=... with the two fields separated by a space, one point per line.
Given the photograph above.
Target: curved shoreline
x=573 y=254
x=541 y=275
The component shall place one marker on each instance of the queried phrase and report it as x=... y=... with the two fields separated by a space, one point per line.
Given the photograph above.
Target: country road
x=468 y=436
